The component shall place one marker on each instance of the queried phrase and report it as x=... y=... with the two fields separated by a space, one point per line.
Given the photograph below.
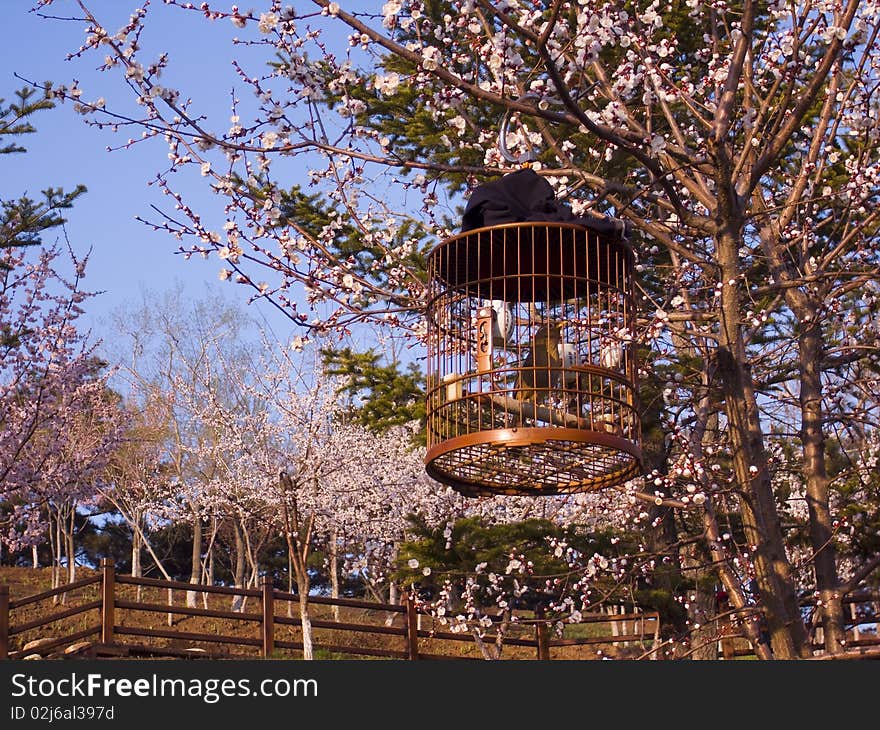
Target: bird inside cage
x=607 y=423
x=568 y=353
x=502 y=322
x=541 y=370
x=573 y=381
x=610 y=352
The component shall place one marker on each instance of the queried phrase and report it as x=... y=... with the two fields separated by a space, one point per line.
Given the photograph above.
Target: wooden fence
x=860 y=627
x=108 y=636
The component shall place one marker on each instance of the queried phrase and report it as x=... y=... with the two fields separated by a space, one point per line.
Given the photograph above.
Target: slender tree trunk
x=492 y=652
x=53 y=543
x=291 y=580
x=751 y=621
x=196 y=569
x=334 y=569
x=308 y=651
x=209 y=578
x=394 y=599
x=299 y=553
x=303 y=585
x=136 y=549
x=35 y=556
x=70 y=543
x=806 y=303
x=810 y=355
x=136 y=553
x=615 y=628
x=134 y=519
x=758 y=506
x=298 y=534
x=394 y=590
x=55 y=540
x=253 y=568
x=662 y=540
x=761 y=520
x=714 y=545
x=239 y=569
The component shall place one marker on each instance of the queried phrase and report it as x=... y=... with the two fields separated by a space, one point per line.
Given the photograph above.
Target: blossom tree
x=136 y=483
x=740 y=140
x=288 y=463
x=175 y=355
x=58 y=421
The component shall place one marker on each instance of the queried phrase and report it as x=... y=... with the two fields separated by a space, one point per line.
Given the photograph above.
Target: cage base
x=533 y=461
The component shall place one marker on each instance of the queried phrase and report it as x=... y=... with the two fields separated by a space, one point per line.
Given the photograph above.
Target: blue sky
x=127 y=257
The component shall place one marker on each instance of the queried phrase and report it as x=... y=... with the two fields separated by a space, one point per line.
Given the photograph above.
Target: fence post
x=412 y=628
x=108 y=589
x=4 y=622
x=268 y=625
x=542 y=635
x=655 y=643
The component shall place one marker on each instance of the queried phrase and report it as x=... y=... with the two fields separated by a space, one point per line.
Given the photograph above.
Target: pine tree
x=380 y=395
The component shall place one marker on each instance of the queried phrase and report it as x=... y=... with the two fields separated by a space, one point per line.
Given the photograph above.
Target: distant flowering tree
x=285 y=463
x=58 y=421
x=176 y=356
x=138 y=484
x=741 y=140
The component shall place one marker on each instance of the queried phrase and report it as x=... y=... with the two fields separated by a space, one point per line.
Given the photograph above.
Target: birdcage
x=531 y=361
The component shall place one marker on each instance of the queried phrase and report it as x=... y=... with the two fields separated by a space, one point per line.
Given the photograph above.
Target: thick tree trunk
x=702 y=612
x=760 y=517
x=816 y=477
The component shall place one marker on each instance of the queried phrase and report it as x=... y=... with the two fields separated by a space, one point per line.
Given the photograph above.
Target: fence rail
x=416 y=642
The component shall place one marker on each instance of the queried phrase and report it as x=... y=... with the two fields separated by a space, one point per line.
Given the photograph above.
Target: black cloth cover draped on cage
x=526 y=196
